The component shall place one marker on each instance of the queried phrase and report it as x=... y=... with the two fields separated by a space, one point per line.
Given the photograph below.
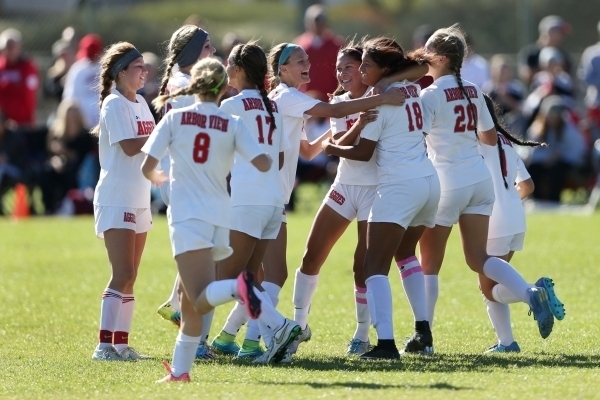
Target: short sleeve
x=522 y=173
x=284 y=143
x=117 y=119
x=245 y=144
x=159 y=139
x=430 y=106
x=484 y=119
x=372 y=131
x=296 y=104
x=337 y=124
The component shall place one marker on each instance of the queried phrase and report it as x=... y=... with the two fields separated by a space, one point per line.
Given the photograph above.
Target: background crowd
x=544 y=95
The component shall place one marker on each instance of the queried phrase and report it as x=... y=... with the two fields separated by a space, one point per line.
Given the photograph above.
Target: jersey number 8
x=201 y=144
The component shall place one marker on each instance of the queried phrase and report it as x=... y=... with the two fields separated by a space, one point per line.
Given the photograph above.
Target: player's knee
x=311 y=263
x=475 y=262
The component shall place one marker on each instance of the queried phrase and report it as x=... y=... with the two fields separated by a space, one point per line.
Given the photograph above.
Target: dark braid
x=502 y=158
x=167 y=75
x=252 y=59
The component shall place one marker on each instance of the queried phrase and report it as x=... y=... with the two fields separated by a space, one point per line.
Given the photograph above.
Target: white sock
x=363 y=317
x=413 y=282
x=265 y=331
x=503 y=273
x=221 y=292
x=110 y=308
x=253 y=331
x=184 y=354
x=269 y=315
x=502 y=295
x=500 y=318
x=237 y=317
x=123 y=327
x=432 y=291
x=206 y=324
x=379 y=298
x=174 y=299
x=304 y=288
x=273 y=291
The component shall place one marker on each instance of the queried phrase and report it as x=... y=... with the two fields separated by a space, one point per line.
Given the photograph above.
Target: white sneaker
x=130 y=354
x=280 y=342
x=304 y=336
x=263 y=359
x=107 y=354
x=356 y=347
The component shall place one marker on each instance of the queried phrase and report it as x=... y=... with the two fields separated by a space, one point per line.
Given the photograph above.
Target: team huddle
x=420 y=151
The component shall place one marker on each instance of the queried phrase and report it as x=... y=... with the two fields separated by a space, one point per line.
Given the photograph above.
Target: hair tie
x=123 y=62
x=190 y=53
x=285 y=54
x=215 y=90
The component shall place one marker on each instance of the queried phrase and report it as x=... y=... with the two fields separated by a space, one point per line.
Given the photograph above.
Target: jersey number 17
x=271 y=127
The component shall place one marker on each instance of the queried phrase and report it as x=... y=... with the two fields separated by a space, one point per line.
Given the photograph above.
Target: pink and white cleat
x=245 y=285
x=185 y=377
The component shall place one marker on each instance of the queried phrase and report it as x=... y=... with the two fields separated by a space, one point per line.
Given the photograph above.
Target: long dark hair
x=386 y=52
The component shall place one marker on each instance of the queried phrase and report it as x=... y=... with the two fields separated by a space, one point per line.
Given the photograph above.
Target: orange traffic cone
x=21 y=209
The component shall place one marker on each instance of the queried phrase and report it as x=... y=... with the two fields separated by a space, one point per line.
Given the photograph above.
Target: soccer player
x=408 y=188
x=122 y=196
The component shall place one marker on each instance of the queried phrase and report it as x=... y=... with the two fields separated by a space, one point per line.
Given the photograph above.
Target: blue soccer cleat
x=556 y=306
x=499 y=348
x=540 y=307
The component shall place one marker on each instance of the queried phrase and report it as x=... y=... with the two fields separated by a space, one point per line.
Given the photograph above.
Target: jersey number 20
x=470 y=116
x=261 y=136
x=201 y=145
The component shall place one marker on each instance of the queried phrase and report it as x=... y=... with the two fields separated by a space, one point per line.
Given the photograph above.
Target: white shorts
x=474 y=199
x=408 y=203
x=351 y=201
x=195 y=234
x=283 y=217
x=164 y=190
x=108 y=217
x=503 y=245
x=261 y=222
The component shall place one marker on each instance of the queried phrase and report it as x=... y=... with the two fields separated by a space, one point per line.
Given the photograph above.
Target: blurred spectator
x=195 y=19
x=64 y=57
x=69 y=142
x=508 y=93
x=475 y=68
x=322 y=46
x=12 y=158
x=82 y=79
x=551 y=166
x=150 y=89
x=589 y=74
x=19 y=80
x=421 y=35
x=230 y=40
x=552 y=30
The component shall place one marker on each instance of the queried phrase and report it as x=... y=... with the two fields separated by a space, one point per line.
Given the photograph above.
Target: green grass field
x=54 y=271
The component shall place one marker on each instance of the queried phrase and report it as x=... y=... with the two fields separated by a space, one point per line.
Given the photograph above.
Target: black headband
x=123 y=62
x=192 y=49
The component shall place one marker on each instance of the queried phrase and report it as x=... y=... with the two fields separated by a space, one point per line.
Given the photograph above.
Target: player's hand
x=393 y=97
x=326 y=145
x=365 y=117
x=158 y=178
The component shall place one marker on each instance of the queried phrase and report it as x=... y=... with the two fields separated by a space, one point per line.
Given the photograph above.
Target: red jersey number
x=418 y=119
x=201 y=145
x=461 y=116
x=261 y=136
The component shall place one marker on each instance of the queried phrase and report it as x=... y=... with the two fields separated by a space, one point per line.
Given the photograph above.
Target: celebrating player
x=122 y=197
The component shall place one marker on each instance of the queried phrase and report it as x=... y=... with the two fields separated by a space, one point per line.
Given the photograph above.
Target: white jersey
x=292 y=105
x=351 y=172
x=201 y=140
x=249 y=186
x=398 y=131
x=177 y=81
x=450 y=128
x=81 y=86
x=508 y=215
x=121 y=182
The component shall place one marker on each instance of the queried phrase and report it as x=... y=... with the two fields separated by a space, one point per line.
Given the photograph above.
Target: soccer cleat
x=167 y=313
x=421 y=342
x=287 y=359
x=357 y=347
x=185 y=377
x=557 y=308
x=204 y=352
x=304 y=336
x=499 y=348
x=280 y=342
x=106 y=354
x=245 y=286
x=131 y=354
x=250 y=349
x=225 y=344
x=540 y=307
x=380 y=353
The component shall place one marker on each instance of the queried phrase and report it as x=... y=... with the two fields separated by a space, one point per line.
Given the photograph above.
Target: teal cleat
x=540 y=307
x=225 y=343
x=498 y=348
x=556 y=306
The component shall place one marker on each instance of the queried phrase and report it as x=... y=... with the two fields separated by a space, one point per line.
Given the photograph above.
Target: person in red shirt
x=321 y=46
x=19 y=80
